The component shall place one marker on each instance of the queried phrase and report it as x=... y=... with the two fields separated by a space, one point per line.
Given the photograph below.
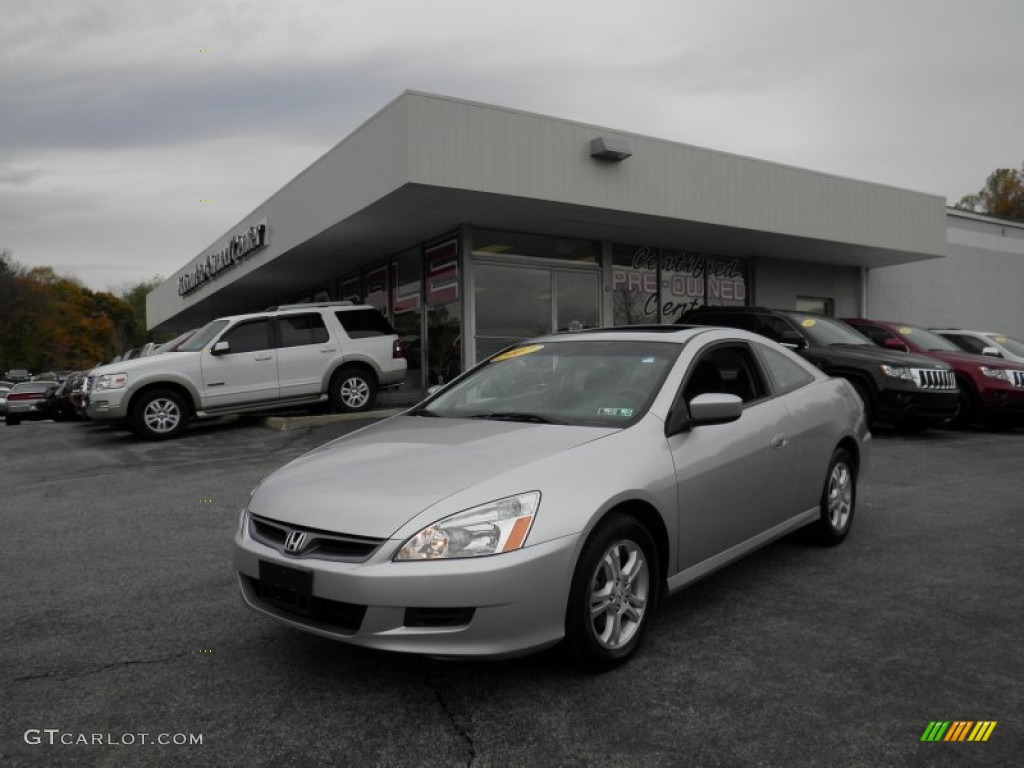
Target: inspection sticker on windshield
x=623 y=413
x=517 y=352
x=808 y=322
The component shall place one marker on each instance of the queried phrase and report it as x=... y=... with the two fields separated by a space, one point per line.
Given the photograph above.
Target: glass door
x=515 y=302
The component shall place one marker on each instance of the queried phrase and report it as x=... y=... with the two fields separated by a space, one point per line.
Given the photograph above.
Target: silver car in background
x=555 y=492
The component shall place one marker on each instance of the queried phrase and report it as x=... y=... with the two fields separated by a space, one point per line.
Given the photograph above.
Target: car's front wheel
x=613 y=594
x=838 y=499
x=159 y=414
x=353 y=390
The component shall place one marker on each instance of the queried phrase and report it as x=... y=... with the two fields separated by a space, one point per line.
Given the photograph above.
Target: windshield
x=203 y=336
x=927 y=340
x=587 y=383
x=825 y=332
x=1012 y=346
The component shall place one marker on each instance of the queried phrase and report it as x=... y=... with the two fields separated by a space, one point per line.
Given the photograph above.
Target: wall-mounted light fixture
x=609 y=148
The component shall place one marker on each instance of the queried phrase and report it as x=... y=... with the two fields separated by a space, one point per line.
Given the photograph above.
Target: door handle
x=779 y=440
x=326 y=351
x=264 y=357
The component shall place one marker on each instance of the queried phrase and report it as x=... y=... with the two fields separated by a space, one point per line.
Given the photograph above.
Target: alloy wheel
x=619 y=591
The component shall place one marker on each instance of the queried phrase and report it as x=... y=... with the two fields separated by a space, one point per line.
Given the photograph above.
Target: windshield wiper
x=423 y=412
x=850 y=344
x=531 y=418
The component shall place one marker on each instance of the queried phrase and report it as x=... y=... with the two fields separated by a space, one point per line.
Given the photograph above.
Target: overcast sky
x=134 y=133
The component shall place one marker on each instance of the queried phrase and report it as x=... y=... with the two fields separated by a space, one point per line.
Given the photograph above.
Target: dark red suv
x=991 y=390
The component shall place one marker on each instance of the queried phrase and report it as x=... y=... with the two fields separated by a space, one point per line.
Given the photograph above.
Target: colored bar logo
x=958 y=730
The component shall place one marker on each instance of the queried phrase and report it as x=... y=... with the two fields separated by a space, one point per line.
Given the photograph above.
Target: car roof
x=678 y=334
x=297 y=309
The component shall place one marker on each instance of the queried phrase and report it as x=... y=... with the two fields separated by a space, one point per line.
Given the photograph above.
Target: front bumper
x=107 y=404
x=1003 y=402
x=502 y=605
x=934 y=407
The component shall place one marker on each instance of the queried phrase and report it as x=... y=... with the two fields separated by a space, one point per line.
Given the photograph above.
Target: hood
x=139 y=363
x=373 y=481
x=966 y=358
x=872 y=354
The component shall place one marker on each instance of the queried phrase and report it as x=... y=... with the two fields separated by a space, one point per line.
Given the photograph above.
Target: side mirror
x=991 y=352
x=705 y=410
x=792 y=340
x=221 y=348
x=896 y=344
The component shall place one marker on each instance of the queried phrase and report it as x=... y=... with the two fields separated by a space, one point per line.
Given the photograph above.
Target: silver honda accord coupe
x=555 y=492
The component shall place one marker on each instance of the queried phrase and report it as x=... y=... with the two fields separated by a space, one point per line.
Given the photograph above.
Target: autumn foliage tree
x=1002 y=195
x=51 y=322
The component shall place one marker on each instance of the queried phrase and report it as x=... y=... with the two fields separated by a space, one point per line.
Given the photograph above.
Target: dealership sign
x=211 y=265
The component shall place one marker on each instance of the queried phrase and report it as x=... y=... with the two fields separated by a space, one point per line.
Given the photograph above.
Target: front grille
x=346 y=616
x=1018 y=379
x=438 y=617
x=323 y=545
x=933 y=378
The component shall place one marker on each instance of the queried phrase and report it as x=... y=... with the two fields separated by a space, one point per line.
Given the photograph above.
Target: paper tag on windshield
x=623 y=413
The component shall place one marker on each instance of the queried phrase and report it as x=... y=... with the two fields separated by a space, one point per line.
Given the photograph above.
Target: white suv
x=291 y=355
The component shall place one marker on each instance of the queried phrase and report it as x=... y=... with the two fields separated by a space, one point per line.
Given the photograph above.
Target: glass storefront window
x=444 y=312
x=660 y=285
x=407 y=312
x=488 y=242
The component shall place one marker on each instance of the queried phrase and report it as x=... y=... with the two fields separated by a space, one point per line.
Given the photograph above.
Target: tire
x=966 y=406
x=838 y=499
x=159 y=414
x=353 y=390
x=864 y=392
x=603 y=640
x=12 y=421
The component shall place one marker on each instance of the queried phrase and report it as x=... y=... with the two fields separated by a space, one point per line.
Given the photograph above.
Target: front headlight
x=110 y=381
x=996 y=373
x=498 y=526
x=897 y=372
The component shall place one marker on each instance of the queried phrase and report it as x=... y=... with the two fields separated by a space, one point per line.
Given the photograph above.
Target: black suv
x=909 y=391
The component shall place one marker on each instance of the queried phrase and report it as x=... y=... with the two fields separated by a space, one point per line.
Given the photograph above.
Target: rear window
x=364 y=323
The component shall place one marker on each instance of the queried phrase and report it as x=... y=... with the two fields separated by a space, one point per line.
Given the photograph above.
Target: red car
x=991 y=390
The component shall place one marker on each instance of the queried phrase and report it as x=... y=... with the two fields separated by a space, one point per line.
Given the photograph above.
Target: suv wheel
x=838 y=499
x=159 y=414
x=12 y=421
x=614 y=593
x=353 y=390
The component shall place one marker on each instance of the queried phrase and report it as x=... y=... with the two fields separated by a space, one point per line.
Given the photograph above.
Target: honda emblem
x=294 y=543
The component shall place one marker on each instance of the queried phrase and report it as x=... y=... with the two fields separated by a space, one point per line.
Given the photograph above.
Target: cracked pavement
x=121 y=616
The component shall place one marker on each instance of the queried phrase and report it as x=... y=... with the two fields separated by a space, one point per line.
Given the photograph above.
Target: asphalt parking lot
x=121 y=617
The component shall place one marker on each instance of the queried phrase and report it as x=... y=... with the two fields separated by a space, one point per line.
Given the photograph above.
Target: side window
x=772 y=327
x=364 y=323
x=299 y=330
x=876 y=334
x=729 y=369
x=786 y=374
x=249 y=336
x=968 y=343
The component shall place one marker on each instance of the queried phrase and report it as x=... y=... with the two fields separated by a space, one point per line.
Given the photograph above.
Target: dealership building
x=472 y=226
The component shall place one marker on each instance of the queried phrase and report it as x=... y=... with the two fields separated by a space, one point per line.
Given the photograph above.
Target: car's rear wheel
x=614 y=593
x=159 y=414
x=12 y=421
x=838 y=499
x=353 y=390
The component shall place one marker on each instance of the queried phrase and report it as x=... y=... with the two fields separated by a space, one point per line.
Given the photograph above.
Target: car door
x=246 y=372
x=735 y=481
x=305 y=351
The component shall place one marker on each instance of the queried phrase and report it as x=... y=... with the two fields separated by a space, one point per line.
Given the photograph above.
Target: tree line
x=49 y=322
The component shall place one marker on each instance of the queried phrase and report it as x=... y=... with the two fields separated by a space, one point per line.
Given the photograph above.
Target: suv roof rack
x=309 y=304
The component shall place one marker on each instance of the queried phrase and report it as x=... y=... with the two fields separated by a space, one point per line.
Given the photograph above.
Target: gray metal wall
x=778 y=283
x=978 y=285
